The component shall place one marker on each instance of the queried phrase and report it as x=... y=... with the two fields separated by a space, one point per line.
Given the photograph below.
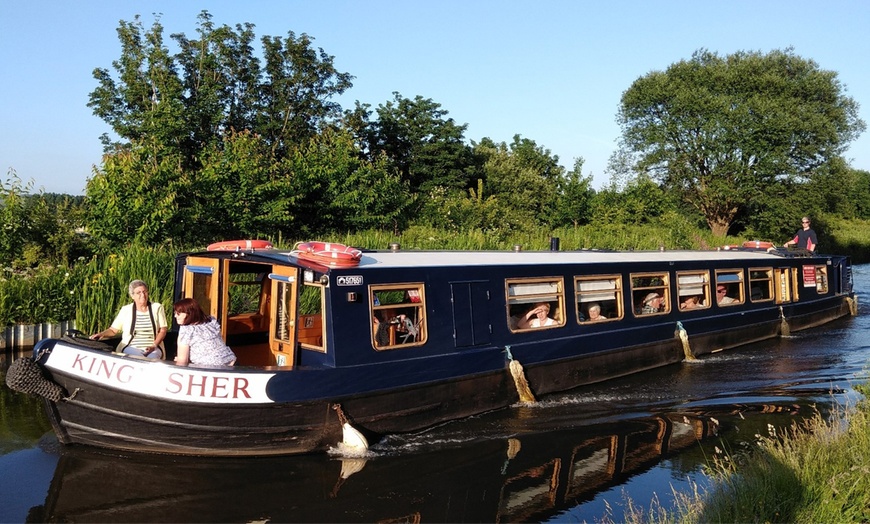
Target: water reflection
x=522 y=478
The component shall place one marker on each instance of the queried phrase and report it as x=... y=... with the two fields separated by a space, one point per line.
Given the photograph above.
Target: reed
x=105 y=280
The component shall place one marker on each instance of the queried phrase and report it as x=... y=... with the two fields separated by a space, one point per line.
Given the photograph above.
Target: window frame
x=376 y=311
x=513 y=301
x=740 y=285
x=771 y=294
x=823 y=284
x=616 y=291
x=704 y=284
x=640 y=292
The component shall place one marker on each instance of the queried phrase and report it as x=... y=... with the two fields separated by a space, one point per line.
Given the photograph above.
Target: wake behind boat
x=332 y=340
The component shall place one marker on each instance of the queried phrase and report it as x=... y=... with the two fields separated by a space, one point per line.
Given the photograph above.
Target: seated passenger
x=722 y=296
x=594 y=312
x=691 y=302
x=537 y=317
x=652 y=303
x=391 y=324
x=199 y=337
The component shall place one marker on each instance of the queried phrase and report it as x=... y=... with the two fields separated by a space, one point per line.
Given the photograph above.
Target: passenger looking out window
x=652 y=303
x=722 y=297
x=537 y=316
x=595 y=313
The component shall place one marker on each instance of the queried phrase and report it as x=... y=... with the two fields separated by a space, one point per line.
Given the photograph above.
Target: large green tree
x=724 y=131
x=426 y=147
x=216 y=83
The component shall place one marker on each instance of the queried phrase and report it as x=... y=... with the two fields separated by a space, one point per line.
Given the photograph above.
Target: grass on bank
x=818 y=471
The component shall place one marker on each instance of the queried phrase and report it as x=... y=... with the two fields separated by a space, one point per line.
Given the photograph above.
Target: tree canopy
x=725 y=131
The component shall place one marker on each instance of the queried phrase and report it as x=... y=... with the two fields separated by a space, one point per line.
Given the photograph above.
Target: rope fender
x=25 y=375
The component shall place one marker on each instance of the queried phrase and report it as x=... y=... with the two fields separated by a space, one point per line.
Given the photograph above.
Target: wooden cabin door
x=282 y=336
x=201 y=282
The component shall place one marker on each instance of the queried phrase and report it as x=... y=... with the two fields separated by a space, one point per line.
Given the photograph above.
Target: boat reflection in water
x=529 y=477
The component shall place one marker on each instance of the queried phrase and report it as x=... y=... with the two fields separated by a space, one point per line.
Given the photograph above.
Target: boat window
x=761 y=284
x=602 y=295
x=310 y=320
x=650 y=293
x=398 y=315
x=729 y=287
x=534 y=303
x=821 y=279
x=693 y=289
x=248 y=293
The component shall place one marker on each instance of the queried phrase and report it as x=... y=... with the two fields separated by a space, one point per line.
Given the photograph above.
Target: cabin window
x=600 y=294
x=729 y=287
x=247 y=298
x=310 y=325
x=693 y=289
x=650 y=293
x=821 y=279
x=398 y=315
x=760 y=284
x=535 y=303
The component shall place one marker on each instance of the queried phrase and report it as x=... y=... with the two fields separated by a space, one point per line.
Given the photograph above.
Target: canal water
x=574 y=457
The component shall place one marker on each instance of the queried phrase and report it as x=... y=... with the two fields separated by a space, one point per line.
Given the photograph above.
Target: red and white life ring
x=758 y=244
x=328 y=253
x=239 y=245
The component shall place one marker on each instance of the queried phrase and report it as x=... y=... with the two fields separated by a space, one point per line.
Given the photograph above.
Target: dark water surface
x=565 y=459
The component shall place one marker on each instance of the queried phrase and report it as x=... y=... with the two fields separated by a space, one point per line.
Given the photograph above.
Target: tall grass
x=106 y=278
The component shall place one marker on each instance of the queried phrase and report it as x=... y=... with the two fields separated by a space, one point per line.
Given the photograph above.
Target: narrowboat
x=340 y=346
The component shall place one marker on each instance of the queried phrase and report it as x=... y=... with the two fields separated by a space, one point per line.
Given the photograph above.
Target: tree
x=574 y=198
x=523 y=176
x=721 y=130
x=300 y=81
x=427 y=149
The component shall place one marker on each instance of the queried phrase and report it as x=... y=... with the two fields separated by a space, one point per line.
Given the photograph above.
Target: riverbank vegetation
x=818 y=471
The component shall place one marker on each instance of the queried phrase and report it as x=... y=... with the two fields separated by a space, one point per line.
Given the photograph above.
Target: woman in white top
x=537 y=317
x=142 y=325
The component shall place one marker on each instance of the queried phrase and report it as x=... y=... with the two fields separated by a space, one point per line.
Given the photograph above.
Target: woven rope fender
x=26 y=376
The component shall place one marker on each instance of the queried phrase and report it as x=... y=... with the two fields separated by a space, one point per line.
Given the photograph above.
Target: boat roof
x=411 y=258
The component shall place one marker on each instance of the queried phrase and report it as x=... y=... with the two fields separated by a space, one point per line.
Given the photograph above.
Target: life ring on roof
x=758 y=244
x=238 y=245
x=328 y=253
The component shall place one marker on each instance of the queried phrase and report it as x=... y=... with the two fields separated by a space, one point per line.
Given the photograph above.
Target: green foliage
x=103 y=283
x=721 y=131
x=14 y=221
x=33 y=296
x=425 y=147
x=574 y=197
x=38 y=229
x=138 y=195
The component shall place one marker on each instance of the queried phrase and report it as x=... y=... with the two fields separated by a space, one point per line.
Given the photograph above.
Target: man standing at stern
x=805 y=238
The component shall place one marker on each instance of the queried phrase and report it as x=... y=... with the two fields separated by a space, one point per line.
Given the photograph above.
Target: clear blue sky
x=551 y=71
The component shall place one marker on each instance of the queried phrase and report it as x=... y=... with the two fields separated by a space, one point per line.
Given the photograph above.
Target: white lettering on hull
x=159 y=379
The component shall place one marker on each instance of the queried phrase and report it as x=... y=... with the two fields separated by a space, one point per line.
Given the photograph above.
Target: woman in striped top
x=142 y=325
